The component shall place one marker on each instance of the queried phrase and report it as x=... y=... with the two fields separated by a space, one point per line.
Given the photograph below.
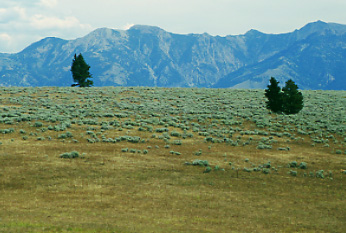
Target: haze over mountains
x=313 y=56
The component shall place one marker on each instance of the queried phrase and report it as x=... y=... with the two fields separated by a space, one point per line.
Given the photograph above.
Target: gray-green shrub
x=338 y=152
x=293 y=173
x=319 y=174
x=293 y=164
x=70 y=155
x=38 y=124
x=207 y=169
x=303 y=165
x=198 y=162
x=265 y=170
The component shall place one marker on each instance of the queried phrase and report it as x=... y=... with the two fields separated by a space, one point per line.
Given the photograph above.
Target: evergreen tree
x=288 y=101
x=80 y=72
x=274 y=96
x=292 y=98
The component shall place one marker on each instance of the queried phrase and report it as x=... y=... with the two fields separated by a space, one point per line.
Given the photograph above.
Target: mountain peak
x=253 y=32
x=48 y=41
x=106 y=32
x=315 y=26
x=321 y=27
x=319 y=23
x=146 y=28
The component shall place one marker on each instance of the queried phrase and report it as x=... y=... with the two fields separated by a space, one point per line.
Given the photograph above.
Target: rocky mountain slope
x=314 y=57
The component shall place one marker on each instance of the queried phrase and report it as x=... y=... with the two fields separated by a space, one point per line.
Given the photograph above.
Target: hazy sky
x=23 y=22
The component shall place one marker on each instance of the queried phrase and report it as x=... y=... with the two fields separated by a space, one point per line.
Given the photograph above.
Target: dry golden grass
x=111 y=191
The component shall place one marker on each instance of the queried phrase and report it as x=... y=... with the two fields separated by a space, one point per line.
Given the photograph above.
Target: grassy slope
x=107 y=190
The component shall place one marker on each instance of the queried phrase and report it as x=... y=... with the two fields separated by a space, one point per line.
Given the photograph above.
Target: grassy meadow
x=118 y=159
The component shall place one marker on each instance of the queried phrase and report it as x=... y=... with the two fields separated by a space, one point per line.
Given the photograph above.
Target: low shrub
x=69 y=134
x=246 y=169
x=293 y=173
x=133 y=151
x=70 y=155
x=303 y=165
x=293 y=164
x=38 y=124
x=91 y=140
x=284 y=148
x=177 y=142
x=175 y=152
x=175 y=134
x=134 y=139
x=198 y=153
x=198 y=162
x=263 y=146
x=7 y=131
x=161 y=130
x=338 y=152
x=62 y=136
x=267 y=165
x=319 y=174
x=266 y=171
x=207 y=169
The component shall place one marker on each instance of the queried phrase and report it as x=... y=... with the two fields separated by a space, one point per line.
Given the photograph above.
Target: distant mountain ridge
x=313 y=56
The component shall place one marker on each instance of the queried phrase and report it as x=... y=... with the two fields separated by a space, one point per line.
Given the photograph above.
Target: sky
x=23 y=22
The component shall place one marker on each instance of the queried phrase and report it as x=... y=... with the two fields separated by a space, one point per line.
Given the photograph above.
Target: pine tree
x=288 y=101
x=80 y=72
x=274 y=96
x=292 y=98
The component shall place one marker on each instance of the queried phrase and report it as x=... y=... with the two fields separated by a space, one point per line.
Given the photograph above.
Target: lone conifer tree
x=80 y=72
x=274 y=96
x=292 y=98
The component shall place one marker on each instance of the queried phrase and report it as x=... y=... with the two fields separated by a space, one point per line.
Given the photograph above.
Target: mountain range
x=313 y=56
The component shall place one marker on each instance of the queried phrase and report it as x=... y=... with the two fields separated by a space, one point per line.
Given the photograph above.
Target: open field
x=170 y=160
